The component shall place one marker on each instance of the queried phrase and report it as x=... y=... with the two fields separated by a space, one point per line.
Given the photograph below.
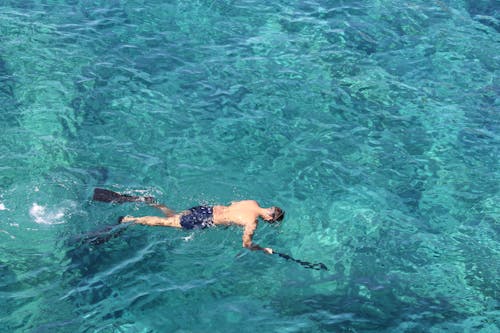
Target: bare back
x=243 y=213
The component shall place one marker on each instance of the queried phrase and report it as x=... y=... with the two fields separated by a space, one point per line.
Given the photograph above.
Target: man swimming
x=243 y=213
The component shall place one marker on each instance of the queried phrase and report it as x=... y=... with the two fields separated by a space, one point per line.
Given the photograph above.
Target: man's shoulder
x=249 y=202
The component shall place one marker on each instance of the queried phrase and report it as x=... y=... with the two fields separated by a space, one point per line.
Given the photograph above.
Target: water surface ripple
x=374 y=124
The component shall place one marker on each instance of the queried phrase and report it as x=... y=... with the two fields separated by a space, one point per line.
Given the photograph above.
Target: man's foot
x=125 y=219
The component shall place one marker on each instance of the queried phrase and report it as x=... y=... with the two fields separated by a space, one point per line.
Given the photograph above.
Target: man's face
x=269 y=214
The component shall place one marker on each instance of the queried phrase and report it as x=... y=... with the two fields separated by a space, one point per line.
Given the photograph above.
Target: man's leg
x=173 y=221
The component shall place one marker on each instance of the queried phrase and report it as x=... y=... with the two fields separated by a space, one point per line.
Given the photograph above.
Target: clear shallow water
x=374 y=124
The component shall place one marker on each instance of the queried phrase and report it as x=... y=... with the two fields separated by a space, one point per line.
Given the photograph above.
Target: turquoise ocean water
x=374 y=124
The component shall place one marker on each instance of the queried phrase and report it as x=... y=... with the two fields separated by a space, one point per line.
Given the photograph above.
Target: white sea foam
x=42 y=215
x=188 y=238
x=2 y=206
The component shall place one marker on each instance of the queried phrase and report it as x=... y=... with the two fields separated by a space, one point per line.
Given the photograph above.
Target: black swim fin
x=104 y=195
x=102 y=236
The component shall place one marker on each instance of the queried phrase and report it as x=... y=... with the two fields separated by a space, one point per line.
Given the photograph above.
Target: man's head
x=274 y=214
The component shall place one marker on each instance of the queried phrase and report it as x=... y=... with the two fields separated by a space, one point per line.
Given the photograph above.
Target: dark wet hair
x=278 y=214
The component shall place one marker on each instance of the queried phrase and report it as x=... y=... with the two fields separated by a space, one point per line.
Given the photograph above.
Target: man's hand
x=255 y=247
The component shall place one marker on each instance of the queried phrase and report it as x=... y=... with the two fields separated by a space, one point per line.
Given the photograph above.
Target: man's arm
x=247 y=240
